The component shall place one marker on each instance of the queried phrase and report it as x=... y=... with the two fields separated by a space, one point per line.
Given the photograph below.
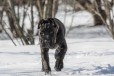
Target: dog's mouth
x=48 y=44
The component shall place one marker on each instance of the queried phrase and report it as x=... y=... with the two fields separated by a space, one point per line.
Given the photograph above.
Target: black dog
x=52 y=36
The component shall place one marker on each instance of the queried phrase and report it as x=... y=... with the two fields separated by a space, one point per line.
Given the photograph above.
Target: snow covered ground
x=90 y=53
x=85 y=57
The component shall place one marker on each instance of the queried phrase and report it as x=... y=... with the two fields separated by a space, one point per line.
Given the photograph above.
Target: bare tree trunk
x=70 y=28
x=110 y=20
x=2 y=25
x=98 y=8
x=1 y=11
x=54 y=7
x=40 y=6
x=7 y=33
x=12 y=26
x=10 y=10
x=11 y=20
x=32 y=24
x=47 y=8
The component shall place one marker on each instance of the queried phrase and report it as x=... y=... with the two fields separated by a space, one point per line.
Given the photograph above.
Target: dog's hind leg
x=45 y=60
x=59 y=56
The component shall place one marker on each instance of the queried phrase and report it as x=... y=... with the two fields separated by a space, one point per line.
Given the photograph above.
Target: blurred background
x=83 y=19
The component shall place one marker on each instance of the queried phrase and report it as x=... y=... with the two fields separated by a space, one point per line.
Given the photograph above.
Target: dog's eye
x=48 y=23
x=54 y=25
x=41 y=33
x=51 y=32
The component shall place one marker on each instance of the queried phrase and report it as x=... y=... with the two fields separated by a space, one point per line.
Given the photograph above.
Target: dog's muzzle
x=48 y=43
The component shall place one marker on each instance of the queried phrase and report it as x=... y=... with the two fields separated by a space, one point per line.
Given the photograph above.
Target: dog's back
x=61 y=26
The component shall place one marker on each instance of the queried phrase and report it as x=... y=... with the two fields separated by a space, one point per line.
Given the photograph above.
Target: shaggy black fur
x=52 y=36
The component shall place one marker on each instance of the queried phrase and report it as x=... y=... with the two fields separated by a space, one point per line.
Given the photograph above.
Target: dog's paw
x=58 y=65
x=47 y=71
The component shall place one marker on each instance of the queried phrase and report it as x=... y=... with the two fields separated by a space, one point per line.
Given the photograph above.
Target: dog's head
x=47 y=32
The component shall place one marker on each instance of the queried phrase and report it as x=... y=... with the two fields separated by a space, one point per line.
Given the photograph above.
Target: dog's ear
x=40 y=23
x=52 y=22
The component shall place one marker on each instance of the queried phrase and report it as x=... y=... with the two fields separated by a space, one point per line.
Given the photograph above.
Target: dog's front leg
x=45 y=60
x=59 y=56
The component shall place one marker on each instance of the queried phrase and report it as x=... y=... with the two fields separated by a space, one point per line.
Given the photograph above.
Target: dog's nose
x=46 y=41
x=47 y=36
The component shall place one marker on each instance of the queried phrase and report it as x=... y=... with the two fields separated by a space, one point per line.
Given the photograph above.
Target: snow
x=81 y=18
x=88 y=32
x=85 y=57
x=90 y=53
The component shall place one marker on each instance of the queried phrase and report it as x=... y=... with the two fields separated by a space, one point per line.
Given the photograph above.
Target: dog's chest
x=54 y=46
